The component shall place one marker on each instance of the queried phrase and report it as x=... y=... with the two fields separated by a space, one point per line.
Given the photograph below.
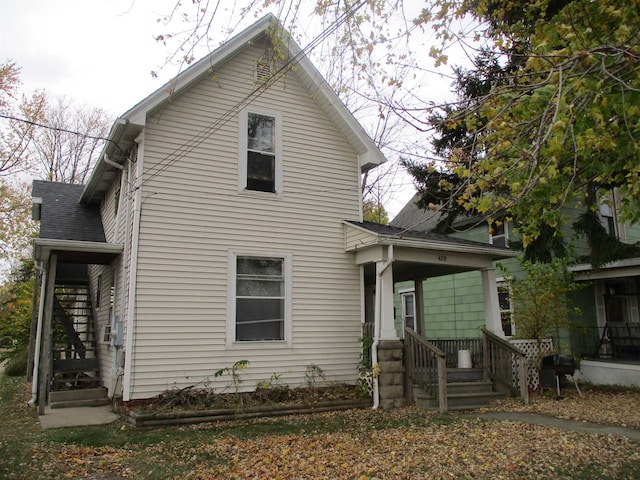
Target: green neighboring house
x=606 y=332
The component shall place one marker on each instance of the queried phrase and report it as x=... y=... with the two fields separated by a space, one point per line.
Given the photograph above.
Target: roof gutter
x=44 y=247
x=425 y=244
x=116 y=134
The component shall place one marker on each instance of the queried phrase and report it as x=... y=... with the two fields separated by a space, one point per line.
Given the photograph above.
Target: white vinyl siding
x=192 y=217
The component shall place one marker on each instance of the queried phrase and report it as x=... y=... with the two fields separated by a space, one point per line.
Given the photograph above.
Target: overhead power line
x=58 y=129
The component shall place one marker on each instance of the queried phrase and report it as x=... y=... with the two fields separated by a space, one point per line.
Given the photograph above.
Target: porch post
x=491 y=302
x=418 y=307
x=387 y=317
x=388 y=345
x=47 y=332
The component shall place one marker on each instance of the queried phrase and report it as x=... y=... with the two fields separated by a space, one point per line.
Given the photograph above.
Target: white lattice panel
x=533 y=354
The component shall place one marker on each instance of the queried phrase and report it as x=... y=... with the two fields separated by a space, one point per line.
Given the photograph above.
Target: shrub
x=16 y=366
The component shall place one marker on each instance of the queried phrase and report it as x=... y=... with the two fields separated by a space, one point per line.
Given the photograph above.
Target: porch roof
x=73 y=251
x=629 y=267
x=419 y=254
x=71 y=229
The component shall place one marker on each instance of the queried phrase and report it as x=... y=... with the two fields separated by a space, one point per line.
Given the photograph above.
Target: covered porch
x=405 y=357
x=63 y=354
x=64 y=337
x=609 y=340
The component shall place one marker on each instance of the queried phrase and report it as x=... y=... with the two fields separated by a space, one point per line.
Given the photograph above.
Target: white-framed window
x=260 y=152
x=408 y=301
x=259 y=298
x=606 y=212
x=106 y=334
x=499 y=234
x=506 y=309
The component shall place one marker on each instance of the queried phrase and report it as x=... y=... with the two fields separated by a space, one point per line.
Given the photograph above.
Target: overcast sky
x=98 y=52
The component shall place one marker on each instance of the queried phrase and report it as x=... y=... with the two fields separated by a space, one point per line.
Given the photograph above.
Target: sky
x=99 y=53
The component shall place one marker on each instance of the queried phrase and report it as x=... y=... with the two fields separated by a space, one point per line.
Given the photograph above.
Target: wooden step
x=84 y=397
x=455 y=375
x=94 y=402
x=460 y=396
x=460 y=388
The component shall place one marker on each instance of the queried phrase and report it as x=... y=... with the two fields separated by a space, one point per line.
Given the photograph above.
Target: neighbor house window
x=260 y=153
x=408 y=310
x=499 y=234
x=260 y=300
x=506 y=309
x=606 y=211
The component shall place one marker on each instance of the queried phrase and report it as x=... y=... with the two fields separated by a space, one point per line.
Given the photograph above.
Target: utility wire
x=59 y=129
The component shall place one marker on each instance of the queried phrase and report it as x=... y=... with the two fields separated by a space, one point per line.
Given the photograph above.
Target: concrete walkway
x=76 y=417
x=562 y=424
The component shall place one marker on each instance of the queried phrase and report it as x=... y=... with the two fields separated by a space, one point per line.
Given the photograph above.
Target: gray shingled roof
x=62 y=217
x=416 y=218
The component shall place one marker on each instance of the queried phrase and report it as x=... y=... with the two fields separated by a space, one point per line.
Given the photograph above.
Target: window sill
x=258 y=193
x=252 y=344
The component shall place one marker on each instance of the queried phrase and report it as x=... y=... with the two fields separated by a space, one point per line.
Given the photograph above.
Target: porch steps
x=466 y=390
x=87 y=397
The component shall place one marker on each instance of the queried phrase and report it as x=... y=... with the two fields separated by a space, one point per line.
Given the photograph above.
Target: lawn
x=359 y=444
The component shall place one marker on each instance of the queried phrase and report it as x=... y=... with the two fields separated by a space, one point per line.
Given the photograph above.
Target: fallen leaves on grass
x=463 y=449
x=404 y=443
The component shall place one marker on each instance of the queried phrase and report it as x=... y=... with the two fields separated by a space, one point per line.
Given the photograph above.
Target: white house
x=221 y=223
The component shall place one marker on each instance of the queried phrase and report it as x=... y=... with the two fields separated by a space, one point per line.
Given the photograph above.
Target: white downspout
x=377 y=325
x=36 y=355
x=123 y=215
x=133 y=271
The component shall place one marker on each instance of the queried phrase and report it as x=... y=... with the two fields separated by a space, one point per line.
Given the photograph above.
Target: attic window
x=264 y=70
x=260 y=152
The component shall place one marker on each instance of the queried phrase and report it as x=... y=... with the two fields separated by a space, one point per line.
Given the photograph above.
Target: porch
x=389 y=255
x=435 y=375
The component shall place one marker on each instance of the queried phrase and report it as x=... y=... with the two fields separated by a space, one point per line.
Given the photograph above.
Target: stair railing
x=505 y=364
x=425 y=366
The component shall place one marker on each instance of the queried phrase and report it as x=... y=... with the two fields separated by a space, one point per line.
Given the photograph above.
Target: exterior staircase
x=76 y=371
x=466 y=390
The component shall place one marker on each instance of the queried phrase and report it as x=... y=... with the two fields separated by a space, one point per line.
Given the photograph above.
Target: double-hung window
x=499 y=234
x=260 y=152
x=260 y=303
x=506 y=309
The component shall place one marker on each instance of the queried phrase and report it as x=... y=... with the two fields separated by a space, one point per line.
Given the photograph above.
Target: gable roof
x=62 y=217
x=131 y=123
